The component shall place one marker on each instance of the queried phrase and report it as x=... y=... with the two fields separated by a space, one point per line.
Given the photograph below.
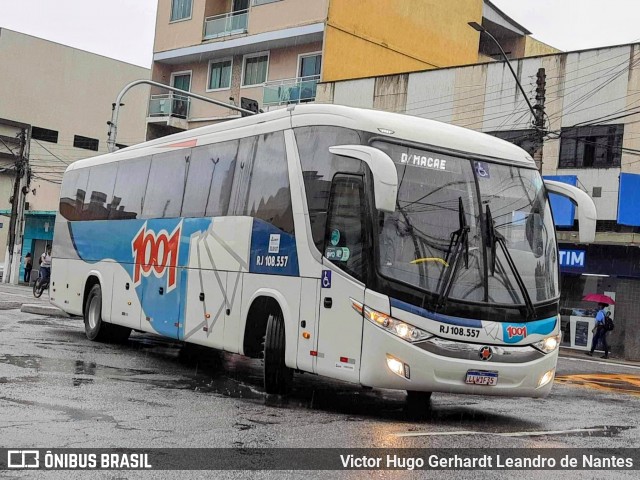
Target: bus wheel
x=277 y=376
x=94 y=327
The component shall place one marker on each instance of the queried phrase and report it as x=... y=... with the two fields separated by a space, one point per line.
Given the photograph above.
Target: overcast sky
x=124 y=29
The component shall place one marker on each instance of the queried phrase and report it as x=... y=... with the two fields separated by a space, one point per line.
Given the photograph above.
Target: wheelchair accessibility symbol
x=326 y=279
x=482 y=169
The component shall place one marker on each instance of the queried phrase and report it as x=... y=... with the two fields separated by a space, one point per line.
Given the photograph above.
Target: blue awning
x=563 y=209
x=628 y=211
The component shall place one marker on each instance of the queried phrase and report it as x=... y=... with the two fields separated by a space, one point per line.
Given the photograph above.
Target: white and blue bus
x=375 y=248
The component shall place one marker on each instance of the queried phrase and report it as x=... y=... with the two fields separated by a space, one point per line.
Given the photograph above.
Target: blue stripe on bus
x=511 y=332
x=438 y=317
x=114 y=240
x=99 y=240
x=273 y=252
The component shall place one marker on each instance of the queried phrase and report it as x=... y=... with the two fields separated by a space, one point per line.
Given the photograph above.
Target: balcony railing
x=226 y=24
x=293 y=90
x=169 y=104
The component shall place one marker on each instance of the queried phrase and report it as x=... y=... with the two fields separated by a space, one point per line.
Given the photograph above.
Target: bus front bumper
x=423 y=370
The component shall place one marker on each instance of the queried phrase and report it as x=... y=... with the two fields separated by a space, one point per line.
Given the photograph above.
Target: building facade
x=276 y=51
x=62 y=98
x=592 y=120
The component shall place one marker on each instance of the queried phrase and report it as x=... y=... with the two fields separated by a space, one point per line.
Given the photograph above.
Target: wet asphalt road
x=58 y=389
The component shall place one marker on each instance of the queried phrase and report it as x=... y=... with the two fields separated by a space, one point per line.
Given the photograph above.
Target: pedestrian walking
x=600 y=332
x=28 y=265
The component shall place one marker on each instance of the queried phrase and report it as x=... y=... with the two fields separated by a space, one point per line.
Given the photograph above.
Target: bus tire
x=277 y=376
x=95 y=329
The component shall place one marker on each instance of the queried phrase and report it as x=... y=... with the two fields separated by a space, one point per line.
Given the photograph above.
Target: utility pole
x=538 y=111
x=16 y=221
x=541 y=85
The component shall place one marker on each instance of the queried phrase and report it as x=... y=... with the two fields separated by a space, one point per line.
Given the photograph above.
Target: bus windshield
x=468 y=230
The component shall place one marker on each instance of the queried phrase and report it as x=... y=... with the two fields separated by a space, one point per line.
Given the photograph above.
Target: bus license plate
x=482 y=377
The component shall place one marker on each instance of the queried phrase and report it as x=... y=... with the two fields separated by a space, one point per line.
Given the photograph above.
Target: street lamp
x=476 y=26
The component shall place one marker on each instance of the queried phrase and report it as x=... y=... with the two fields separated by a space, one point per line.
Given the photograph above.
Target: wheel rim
x=94 y=312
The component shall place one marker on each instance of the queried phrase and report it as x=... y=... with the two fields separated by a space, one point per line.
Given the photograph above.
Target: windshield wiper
x=496 y=238
x=459 y=241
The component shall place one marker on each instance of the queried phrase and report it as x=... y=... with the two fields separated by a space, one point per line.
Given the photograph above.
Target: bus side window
x=318 y=168
x=128 y=193
x=99 y=194
x=68 y=199
x=209 y=181
x=268 y=194
x=344 y=237
x=165 y=187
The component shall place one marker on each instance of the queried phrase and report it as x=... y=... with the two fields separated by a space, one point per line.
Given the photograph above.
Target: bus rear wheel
x=277 y=376
x=96 y=329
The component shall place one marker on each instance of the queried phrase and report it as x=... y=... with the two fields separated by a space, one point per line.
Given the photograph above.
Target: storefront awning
x=31 y=213
x=629 y=199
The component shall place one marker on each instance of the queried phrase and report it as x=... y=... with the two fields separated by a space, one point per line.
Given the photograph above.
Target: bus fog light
x=546 y=378
x=397 y=367
x=549 y=344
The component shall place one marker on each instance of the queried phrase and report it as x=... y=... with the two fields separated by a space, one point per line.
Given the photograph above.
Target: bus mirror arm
x=587 y=214
x=385 y=176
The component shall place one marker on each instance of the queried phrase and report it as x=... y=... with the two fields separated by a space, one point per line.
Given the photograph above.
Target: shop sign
x=573 y=258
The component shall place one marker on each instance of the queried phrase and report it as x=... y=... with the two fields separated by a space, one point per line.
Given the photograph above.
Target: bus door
x=340 y=325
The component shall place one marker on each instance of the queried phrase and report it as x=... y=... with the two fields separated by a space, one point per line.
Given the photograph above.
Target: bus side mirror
x=385 y=176
x=587 y=214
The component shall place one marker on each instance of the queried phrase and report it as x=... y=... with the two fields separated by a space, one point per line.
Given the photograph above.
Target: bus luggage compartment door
x=206 y=307
x=126 y=307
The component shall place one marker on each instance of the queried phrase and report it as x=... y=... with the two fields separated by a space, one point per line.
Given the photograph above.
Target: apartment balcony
x=226 y=24
x=169 y=110
x=293 y=90
x=169 y=104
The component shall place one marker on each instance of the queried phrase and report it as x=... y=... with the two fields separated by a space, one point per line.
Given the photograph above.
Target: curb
x=48 y=310
x=10 y=305
x=597 y=359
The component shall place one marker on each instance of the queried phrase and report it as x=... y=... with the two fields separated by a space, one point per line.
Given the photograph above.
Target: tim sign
x=573 y=258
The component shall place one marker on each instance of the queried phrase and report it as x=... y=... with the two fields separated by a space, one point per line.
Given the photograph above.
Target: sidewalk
x=21 y=296
x=581 y=355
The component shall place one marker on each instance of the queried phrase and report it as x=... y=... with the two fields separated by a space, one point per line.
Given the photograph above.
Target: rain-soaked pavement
x=58 y=389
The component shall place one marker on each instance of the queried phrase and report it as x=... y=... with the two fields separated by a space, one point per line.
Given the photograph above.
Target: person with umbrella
x=600 y=334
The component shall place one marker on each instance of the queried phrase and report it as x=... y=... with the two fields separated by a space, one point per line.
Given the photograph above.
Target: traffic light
x=249 y=104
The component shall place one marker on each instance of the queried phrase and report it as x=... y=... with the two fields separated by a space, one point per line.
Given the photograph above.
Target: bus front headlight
x=549 y=344
x=394 y=326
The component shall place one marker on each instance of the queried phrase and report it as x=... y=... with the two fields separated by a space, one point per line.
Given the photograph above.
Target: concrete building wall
x=261 y=18
x=581 y=86
x=283 y=64
x=533 y=47
x=382 y=37
x=285 y=14
x=60 y=88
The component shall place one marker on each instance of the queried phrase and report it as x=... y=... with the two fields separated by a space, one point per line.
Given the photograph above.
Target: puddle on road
x=611 y=382
x=179 y=367
x=36 y=322
x=597 y=431
x=77 y=382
